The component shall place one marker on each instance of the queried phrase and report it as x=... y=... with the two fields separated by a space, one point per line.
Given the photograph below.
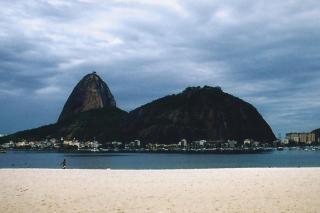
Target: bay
x=42 y=159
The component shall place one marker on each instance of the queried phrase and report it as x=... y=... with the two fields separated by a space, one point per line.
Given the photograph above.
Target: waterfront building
x=131 y=145
x=232 y=143
x=247 y=142
x=183 y=143
x=202 y=142
x=8 y=145
x=116 y=145
x=301 y=137
x=21 y=144
x=151 y=146
x=137 y=143
x=74 y=143
x=198 y=144
x=285 y=141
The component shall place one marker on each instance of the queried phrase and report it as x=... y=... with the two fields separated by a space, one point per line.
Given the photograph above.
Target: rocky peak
x=192 y=90
x=90 y=93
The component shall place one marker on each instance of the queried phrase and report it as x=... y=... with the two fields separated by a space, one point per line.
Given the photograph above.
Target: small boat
x=2 y=151
x=280 y=148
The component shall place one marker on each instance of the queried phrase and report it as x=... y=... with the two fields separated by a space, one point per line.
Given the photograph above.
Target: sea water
x=42 y=159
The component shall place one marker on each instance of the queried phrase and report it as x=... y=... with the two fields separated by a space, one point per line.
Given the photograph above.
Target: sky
x=265 y=52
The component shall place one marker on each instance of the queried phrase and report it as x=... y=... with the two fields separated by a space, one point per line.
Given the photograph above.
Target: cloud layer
x=265 y=52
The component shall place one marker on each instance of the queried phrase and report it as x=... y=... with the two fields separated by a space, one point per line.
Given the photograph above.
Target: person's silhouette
x=64 y=164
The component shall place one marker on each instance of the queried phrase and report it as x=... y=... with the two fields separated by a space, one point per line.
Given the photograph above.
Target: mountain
x=103 y=124
x=197 y=113
x=90 y=93
x=89 y=112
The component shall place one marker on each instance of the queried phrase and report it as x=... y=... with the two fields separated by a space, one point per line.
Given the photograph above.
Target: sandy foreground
x=204 y=190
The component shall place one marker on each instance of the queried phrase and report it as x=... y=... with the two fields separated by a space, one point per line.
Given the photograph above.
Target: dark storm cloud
x=265 y=52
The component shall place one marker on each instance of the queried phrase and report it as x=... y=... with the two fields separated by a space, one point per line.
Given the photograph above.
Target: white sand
x=211 y=190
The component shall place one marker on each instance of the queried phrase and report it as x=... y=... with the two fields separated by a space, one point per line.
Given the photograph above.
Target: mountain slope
x=197 y=113
x=103 y=124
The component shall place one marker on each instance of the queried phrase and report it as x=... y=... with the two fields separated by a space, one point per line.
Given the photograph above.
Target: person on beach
x=64 y=164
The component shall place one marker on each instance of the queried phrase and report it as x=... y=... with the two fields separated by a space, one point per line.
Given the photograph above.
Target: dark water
x=32 y=159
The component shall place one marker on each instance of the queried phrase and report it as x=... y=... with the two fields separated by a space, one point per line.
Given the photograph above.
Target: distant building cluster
x=51 y=144
x=136 y=145
x=301 y=138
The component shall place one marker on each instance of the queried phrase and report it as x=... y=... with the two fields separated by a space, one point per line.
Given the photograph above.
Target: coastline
x=176 y=190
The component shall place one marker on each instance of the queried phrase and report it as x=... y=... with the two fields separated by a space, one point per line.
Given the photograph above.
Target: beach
x=191 y=190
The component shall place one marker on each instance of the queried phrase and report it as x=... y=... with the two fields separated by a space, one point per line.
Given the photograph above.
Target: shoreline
x=222 y=168
x=176 y=190
x=236 y=150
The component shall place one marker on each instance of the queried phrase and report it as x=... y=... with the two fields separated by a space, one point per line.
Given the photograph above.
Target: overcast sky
x=265 y=52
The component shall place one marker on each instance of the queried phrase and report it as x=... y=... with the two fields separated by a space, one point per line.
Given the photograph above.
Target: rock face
x=90 y=93
x=197 y=113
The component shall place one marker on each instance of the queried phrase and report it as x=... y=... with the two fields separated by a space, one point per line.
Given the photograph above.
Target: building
x=72 y=143
x=198 y=144
x=232 y=143
x=8 y=145
x=133 y=144
x=137 y=143
x=202 y=142
x=247 y=142
x=183 y=143
x=21 y=144
x=285 y=141
x=117 y=145
x=301 y=137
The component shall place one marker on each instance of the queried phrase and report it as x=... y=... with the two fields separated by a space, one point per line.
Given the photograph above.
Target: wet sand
x=203 y=190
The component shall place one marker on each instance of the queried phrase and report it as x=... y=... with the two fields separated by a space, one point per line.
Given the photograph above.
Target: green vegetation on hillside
x=103 y=124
